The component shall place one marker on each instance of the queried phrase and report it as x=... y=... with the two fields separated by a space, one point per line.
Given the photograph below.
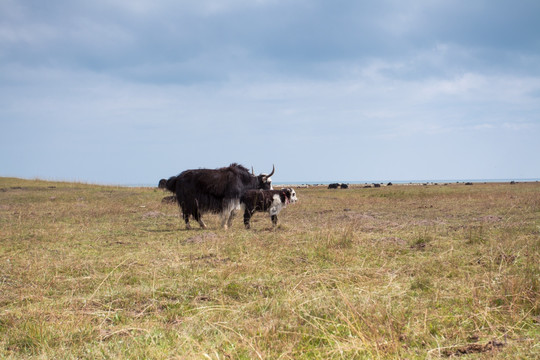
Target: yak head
x=162 y=184
x=264 y=181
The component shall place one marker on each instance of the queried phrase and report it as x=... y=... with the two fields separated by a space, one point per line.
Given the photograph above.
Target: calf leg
x=247 y=217
x=274 y=220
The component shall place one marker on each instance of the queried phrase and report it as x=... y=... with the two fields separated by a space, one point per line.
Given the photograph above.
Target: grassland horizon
x=367 y=182
x=417 y=272
x=278 y=182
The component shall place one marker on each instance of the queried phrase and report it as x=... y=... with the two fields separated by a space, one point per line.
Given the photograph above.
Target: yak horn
x=252 y=172
x=272 y=173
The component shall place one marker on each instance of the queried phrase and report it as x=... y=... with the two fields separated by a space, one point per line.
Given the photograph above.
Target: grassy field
x=405 y=272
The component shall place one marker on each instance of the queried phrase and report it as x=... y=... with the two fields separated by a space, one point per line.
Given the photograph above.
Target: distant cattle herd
x=338 y=186
x=346 y=186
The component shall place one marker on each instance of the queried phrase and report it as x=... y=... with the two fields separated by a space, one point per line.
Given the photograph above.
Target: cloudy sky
x=131 y=91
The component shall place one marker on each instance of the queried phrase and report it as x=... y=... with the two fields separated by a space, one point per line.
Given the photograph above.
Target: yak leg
x=186 y=219
x=274 y=220
x=231 y=217
x=227 y=215
x=226 y=218
x=200 y=221
x=197 y=215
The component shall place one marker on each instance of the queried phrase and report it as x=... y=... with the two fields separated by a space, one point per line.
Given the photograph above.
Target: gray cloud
x=212 y=41
x=390 y=84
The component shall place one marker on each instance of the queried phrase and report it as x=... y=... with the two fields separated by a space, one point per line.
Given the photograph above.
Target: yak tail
x=171 y=184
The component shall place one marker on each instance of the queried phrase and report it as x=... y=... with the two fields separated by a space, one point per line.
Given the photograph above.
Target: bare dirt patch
x=152 y=215
x=473 y=349
x=197 y=239
x=490 y=218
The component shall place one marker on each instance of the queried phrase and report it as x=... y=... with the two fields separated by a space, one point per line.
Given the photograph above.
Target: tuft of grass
x=475 y=235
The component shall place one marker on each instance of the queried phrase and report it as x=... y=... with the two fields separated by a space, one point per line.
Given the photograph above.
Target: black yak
x=162 y=184
x=167 y=199
x=214 y=190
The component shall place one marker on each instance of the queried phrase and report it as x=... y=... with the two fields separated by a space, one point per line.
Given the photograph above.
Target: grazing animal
x=272 y=201
x=167 y=199
x=338 y=186
x=214 y=190
x=162 y=184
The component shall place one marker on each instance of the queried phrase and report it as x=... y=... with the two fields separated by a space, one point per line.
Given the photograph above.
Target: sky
x=132 y=91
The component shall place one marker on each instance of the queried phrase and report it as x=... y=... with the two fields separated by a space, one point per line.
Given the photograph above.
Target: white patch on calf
x=277 y=205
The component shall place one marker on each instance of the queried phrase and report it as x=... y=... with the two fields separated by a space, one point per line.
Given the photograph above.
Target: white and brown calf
x=271 y=201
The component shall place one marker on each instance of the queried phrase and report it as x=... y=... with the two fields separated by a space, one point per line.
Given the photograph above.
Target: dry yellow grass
x=394 y=272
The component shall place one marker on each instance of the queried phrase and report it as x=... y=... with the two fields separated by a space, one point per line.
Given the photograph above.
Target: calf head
x=288 y=195
x=293 y=198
